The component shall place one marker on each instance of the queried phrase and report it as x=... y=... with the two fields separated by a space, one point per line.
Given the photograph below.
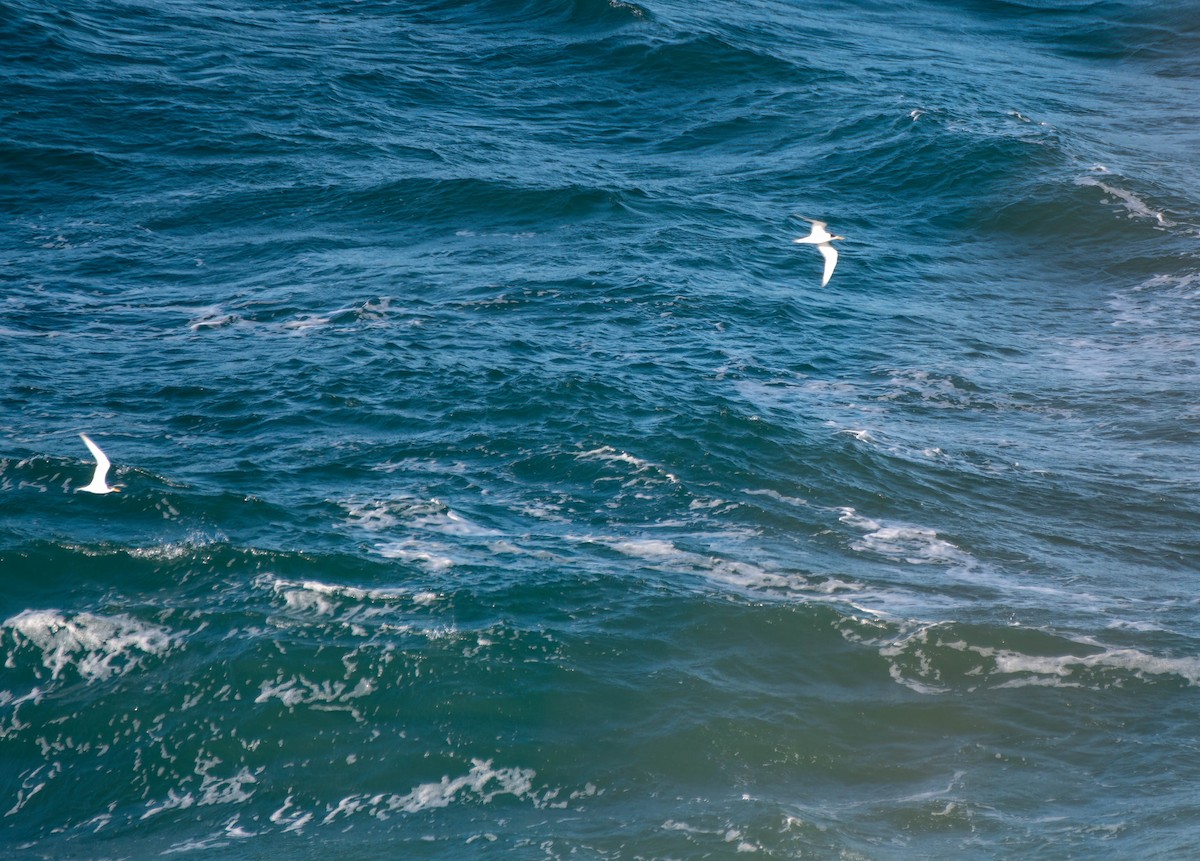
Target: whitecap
x=374 y=516
x=664 y=555
x=1052 y=669
x=292 y=819
x=1130 y=201
x=213 y=317
x=434 y=556
x=303 y=322
x=481 y=784
x=916 y=545
x=641 y=468
x=301 y=691
x=96 y=647
x=796 y=501
x=429 y=515
x=361 y=609
x=316 y=589
x=932 y=659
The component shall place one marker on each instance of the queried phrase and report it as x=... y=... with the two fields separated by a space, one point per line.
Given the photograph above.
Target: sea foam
x=93 y=646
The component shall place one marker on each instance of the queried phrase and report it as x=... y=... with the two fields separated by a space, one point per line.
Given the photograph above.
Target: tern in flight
x=98 y=484
x=821 y=238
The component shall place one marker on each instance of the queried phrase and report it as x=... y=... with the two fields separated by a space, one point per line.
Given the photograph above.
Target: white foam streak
x=295 y=820
x=1139 y=664
x=174 y=801
x=418 y=518
x=325 y=599
x=927 y=664
x=916 y=545
x=1134 y=204
x=432 y=555
x=227 y=790
x=779 y=497
x=97 y=647
x=361 y=610
x=483 y=782
x=641 y=468
x=212 y=317
x=300 y=691
x=664 y=555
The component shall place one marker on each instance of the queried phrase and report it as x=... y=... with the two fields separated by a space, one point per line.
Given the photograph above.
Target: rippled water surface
x=498 y=480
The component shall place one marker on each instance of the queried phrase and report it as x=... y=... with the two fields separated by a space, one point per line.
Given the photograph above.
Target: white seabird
x=98 y=484
x=821 y=238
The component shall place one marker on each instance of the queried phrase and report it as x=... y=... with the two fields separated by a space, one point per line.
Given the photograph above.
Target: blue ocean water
x=498 y=480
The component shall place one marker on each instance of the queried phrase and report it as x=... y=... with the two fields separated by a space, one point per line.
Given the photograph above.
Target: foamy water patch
x=639 y=472
x=915 y=545
x=213 y=317
x=412 y=515
x=217 y=316
x=794 y=501
x=727 y=833
x=962 y=579
x=428 y=532
x=93 y=646
x=370 y=516
x=935 y=389
x=362 y=610
x=235 y=787
x=39 y=472
x=325 y=695
x=665 y=555
x=944 y=657
x=759 y=579
x=303 y=322
x=1160 y=313
x=1134 y=205
x=446 y=521
x=1185 y=285
x=481 y=784
x=368 y=312
x=431 y=555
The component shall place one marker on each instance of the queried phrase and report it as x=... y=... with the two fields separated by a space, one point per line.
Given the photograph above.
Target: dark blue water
x=498 y=480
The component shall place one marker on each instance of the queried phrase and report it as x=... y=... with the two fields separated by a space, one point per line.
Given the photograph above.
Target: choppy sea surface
x=499 y=481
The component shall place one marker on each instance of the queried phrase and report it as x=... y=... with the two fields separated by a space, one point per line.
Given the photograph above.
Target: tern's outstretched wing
x=830 y=255
x=102 y=462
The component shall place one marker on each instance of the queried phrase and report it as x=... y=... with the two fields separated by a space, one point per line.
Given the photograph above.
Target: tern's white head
x=98 y=485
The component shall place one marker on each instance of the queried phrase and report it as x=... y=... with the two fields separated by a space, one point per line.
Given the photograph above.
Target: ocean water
x=498 y=480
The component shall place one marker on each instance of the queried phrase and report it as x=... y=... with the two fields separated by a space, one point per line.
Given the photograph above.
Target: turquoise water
x=499 y=480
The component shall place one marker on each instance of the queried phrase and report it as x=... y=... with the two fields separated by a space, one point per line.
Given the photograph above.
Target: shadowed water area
x=498 y=480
